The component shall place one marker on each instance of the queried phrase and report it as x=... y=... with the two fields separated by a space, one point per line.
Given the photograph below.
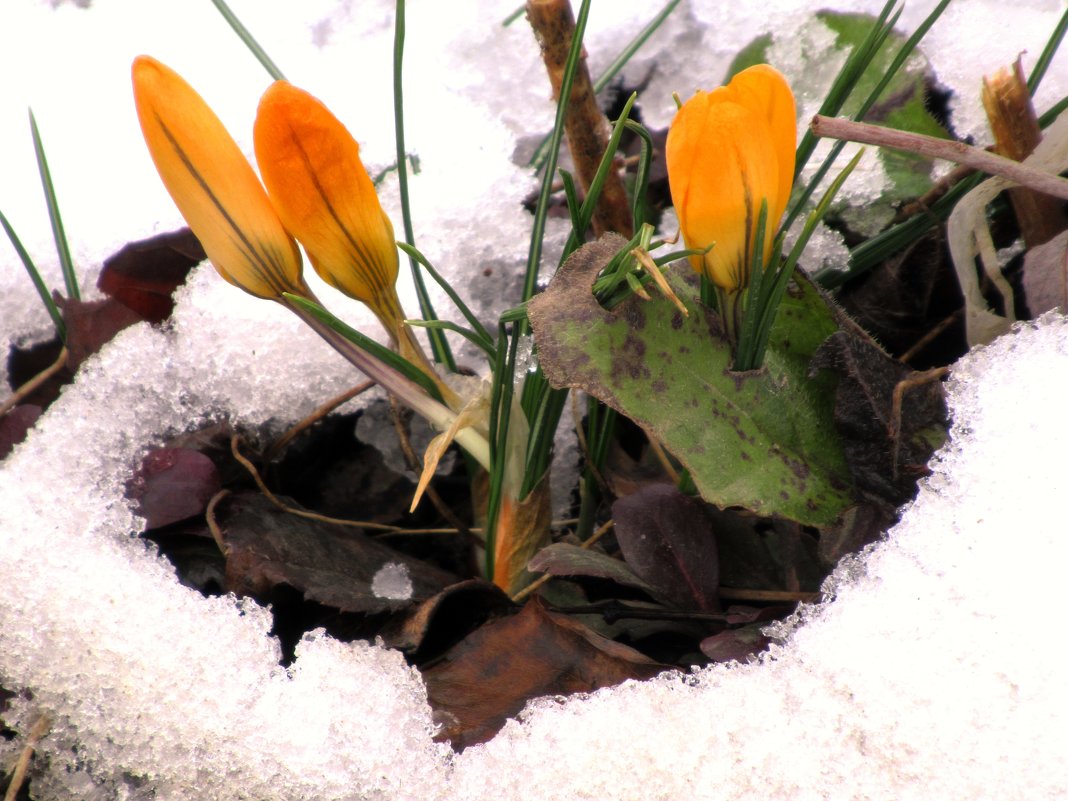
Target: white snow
x=392 y=581
x=932 y=673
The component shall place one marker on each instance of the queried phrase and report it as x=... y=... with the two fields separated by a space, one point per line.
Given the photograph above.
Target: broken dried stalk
x=585 y=125
x=1014 y=124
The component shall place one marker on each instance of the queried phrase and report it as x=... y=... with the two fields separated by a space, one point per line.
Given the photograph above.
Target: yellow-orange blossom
x=311 y=167
x=213 y=185
x=727 y=150
x=319 y=192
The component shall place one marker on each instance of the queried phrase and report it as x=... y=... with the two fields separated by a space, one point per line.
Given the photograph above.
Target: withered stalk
x=586 y=127
x=1016 y=134
x=932 y=147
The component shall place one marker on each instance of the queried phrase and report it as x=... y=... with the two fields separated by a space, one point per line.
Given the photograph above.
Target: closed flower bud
x=311 y=167
x=214 y=186
x=727 y=151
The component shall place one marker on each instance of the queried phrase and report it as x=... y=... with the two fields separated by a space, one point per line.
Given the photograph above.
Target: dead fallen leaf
x=735 y=645
x=884 y=470
x=330 y=564
x=438 y=623
x=492 y=674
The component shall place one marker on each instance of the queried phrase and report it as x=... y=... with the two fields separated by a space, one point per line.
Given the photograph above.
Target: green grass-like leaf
x=249 y=40
x=1038 y=72
x=439 y=345
x=35 y=276
x=70 y=279
x=473 y=321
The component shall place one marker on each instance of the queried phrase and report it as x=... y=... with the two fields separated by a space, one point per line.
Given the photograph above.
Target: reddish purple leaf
x=173 y=484
x=143 y=275
x=667 y=540
x=563 y=559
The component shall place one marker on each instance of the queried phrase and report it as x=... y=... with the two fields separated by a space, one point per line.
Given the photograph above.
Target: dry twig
x=34 y=382
x=949 y=150
x=585 y=124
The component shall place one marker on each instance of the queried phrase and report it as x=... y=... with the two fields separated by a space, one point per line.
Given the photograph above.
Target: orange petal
x=727 y=150
x=213 y=185
x=311 y=166
x=764 y=90
x=721 y=162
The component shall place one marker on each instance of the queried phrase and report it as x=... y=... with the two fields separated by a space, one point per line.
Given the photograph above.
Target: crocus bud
x=213 y=185
x=728 y=150
x=311 y=167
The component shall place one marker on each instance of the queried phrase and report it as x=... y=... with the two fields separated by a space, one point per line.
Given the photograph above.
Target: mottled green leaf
x=764 y=440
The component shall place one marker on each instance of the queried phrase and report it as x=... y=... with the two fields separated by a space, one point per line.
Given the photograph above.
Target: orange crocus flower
x=214 y=186
x=727 y=150
x=311 y=166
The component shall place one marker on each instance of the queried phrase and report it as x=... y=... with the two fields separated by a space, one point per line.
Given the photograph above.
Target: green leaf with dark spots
x=763 y=440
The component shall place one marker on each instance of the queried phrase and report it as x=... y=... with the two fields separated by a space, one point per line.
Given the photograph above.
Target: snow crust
x=927 y=675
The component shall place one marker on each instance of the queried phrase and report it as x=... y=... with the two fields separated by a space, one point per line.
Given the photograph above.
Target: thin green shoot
x=609 y=289
x=902 y=55
x=641 y=172
x=486 y=346
x=66 y=264
x=741 y=311
x=894 y=239
x=852 y=71
x=516 y=314
x=614 y=275
x=507 y=21
x=1046 y=118
x=601 y=426
x=846 y=80
x=250 y=41
x=773 y=294
x=537 y=399
x=543 y=425
x=542 y=404
x=439 y=345
x=1038 y=72
x=501 y=394
x=574 y=205
x=633 y=46
x=479 y=329
x=593 y=195
x=885 y=244
x=767 y=284
x=38 y=282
